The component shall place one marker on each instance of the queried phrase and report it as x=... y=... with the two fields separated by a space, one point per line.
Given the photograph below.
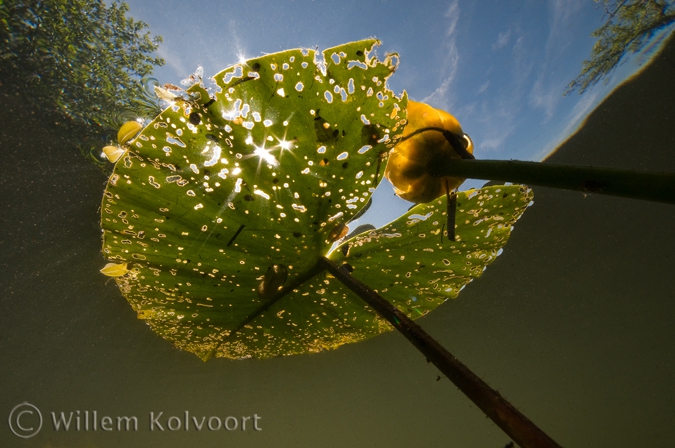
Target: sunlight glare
x=284 y=144
x=266 y=156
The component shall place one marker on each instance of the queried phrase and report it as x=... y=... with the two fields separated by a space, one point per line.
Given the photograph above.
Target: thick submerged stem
x=659 y=187
x=501 y=412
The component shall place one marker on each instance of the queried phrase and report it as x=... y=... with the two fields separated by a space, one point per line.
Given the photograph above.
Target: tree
x=629 y=26
x=79 y=58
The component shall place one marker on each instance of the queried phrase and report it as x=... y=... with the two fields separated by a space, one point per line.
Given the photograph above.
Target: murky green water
x=572 y=324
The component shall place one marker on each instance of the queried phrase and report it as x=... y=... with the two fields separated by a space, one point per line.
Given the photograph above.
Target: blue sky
x=499 y=66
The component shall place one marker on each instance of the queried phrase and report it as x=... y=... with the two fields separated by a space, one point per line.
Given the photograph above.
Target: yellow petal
x=128 y=131
x=114 y=269
x=113 y=153
x=165 y=94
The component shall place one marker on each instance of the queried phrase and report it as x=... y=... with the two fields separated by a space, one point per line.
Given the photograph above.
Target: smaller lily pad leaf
x=412 y=263
x=406 y=261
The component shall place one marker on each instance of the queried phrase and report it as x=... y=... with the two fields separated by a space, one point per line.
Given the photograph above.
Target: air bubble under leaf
x=219 y=188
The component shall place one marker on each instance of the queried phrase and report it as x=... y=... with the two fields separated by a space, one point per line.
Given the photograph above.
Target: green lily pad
x=218 y=190
x=412 y=263
x=214 y=219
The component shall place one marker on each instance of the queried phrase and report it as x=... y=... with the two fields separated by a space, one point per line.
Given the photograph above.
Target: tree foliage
x=629 y=26
x=81 y=58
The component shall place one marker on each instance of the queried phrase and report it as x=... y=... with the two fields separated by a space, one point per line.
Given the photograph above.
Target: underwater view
x=223 y=220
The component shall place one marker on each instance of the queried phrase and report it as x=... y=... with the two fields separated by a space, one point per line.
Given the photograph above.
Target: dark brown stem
x=501 y=412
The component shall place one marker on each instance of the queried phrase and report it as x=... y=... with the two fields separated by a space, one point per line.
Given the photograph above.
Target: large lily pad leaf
x=219 y=190
x=225 y=198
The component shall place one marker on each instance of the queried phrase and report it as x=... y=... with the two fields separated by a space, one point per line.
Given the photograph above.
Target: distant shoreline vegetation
x=629 y=26
x=80 y=59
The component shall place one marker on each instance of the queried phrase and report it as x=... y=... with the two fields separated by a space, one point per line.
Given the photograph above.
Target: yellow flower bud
x=410 y=161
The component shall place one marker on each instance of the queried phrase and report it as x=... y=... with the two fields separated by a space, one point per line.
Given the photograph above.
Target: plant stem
x=658 y=187
x=501 y=412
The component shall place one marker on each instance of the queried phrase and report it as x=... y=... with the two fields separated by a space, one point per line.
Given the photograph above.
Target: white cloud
x=495 y=120
x=545 y=97
x=523 y=62
x=493 y=143
x=499 y=117
x=563 y=14
x=453 y=14
x=172 y=60
x=441 y=97
x=502 y=40
x=546 y=93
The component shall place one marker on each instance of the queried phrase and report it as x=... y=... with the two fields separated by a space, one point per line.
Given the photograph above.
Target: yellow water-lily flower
x=410 y=161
